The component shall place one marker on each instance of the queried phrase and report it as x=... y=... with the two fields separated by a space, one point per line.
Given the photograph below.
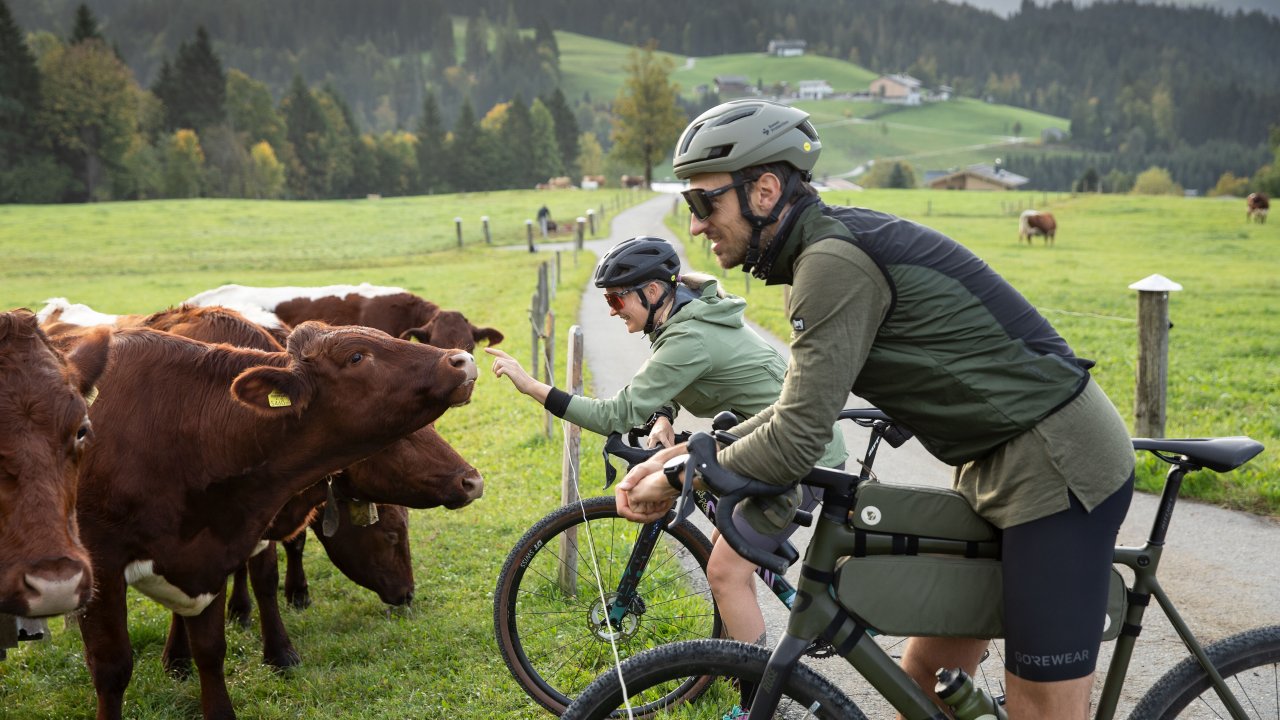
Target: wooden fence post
x=457 y=223
x=571 y=466
x=582 y=223
x=484 y=220
x=1153 y=354
x=591 y=221
x=549 y=366
x=528 y=231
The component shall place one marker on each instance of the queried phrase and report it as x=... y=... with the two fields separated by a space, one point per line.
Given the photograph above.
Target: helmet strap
x=759 y=223
x=654 y=308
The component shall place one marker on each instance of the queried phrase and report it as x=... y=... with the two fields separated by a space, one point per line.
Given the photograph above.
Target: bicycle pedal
x=820 y=648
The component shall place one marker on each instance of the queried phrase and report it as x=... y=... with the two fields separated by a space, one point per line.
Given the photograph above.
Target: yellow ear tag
x=91 y=396
x=275 y=398
x=414 y=338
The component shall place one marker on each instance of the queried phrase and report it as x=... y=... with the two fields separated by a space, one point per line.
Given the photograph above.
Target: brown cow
x=393 y=310
x=44 y=429
x=1033 y=222
x=199 y=445
x=1257 y=206
x=420 y=470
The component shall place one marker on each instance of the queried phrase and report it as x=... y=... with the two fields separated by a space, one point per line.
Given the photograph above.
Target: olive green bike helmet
x=741 y=133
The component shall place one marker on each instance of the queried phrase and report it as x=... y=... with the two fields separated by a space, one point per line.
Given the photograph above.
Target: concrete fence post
x=571 y=466
x=1153 y=354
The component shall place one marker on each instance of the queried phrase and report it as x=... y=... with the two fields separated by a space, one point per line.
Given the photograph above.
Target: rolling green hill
x=935 y=136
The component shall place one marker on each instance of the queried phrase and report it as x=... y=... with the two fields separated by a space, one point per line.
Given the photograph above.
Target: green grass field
x=439 y=659
x=1224 y=342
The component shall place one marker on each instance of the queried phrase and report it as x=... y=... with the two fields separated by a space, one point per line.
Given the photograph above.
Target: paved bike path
x=1220 y=567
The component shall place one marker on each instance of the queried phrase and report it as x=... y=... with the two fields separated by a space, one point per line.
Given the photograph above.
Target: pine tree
x=19 y=90
x=306 y=131
x=85 y=26
x=194 y=87
x=566 y=128
x=431 y=150
x=466 y=151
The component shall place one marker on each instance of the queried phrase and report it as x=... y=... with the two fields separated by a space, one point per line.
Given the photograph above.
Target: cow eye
x=355 y=358
x=83 y=434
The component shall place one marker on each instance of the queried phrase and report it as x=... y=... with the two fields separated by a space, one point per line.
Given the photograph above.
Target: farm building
x=731 y=86
x=897 y=88
x=976 y=177
x=814 y=90
x=787 y=48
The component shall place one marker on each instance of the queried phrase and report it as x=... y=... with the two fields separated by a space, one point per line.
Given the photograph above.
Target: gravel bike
x=841 y=597
x=557 y=630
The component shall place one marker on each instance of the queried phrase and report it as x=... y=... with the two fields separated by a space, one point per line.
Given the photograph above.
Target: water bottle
x=968 y=701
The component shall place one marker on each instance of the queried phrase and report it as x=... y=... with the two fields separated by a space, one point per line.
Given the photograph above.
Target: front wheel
x=1249 y=663
x=553 y=628
x=650 y=676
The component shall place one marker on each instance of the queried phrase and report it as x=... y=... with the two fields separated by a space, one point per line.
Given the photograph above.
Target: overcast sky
x=1005 y=7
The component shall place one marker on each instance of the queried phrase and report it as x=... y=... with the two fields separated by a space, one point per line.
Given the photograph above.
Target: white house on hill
x=814 y=90
x=787 y=48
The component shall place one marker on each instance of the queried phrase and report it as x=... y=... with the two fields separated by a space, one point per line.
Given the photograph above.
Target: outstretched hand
x=506 y=366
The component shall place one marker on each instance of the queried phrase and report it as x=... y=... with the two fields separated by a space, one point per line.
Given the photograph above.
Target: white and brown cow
x=1033 y=222
x=1257 y=205
x=198 y=445
x=44 y=430
x=393 y=310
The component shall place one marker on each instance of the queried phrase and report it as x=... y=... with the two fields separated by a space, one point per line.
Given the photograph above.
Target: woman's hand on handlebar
x=644 y=495
x=661 y=433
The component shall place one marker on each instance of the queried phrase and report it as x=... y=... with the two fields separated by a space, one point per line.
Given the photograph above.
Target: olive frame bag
x=904 y=593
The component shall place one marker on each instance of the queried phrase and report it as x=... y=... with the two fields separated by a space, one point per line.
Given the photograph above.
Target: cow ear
x=418 y=335
x=271 y=391
x=89 y=358
x=492 y=335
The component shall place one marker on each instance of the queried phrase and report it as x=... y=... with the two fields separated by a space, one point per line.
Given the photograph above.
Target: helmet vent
x=688 y=139
x=735 y=117
x=719 y=151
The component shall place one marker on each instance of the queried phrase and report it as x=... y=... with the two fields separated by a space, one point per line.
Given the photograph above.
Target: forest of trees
x=75 y=125
x=341 y=95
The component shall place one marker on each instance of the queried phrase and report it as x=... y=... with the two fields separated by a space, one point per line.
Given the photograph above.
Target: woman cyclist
x=704 y=360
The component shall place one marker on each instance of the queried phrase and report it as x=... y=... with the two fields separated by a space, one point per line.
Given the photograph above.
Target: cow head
x=451 y=329
x=420 y=471
x=343 y=376
x=44 y=429
x=375 y=556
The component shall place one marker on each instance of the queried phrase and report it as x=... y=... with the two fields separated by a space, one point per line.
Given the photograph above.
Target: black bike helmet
x=633 y=261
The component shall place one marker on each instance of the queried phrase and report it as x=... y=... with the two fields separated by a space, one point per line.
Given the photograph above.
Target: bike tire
x=649 y=675
x=547 y=638
x=1249 y=663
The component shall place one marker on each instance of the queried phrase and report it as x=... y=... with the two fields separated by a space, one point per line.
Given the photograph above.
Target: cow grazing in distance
x=199 y=445
x=1033 y=222
x=1257 y=205
x=393 y=310
x=44 y=430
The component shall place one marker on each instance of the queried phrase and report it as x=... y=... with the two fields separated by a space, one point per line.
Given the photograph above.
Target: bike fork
x=625 y=598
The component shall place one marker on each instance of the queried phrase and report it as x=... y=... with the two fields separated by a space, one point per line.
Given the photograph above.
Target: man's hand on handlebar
x=661 y=433
x=644 y=495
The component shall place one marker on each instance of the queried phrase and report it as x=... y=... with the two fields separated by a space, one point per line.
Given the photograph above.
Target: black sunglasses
x=699 y=200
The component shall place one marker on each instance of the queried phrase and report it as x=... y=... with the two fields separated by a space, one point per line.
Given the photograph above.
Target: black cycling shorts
x=1057 y=571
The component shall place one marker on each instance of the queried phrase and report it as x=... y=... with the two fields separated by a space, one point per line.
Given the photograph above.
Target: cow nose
x=465 y=362
x=473 y=486
x=56 y=587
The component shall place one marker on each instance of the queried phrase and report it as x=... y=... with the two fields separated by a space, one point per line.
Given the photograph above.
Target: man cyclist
x=914 y=322
x=705 y=360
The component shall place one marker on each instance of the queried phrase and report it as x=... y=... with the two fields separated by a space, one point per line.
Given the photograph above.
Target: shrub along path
x=1219 y=567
